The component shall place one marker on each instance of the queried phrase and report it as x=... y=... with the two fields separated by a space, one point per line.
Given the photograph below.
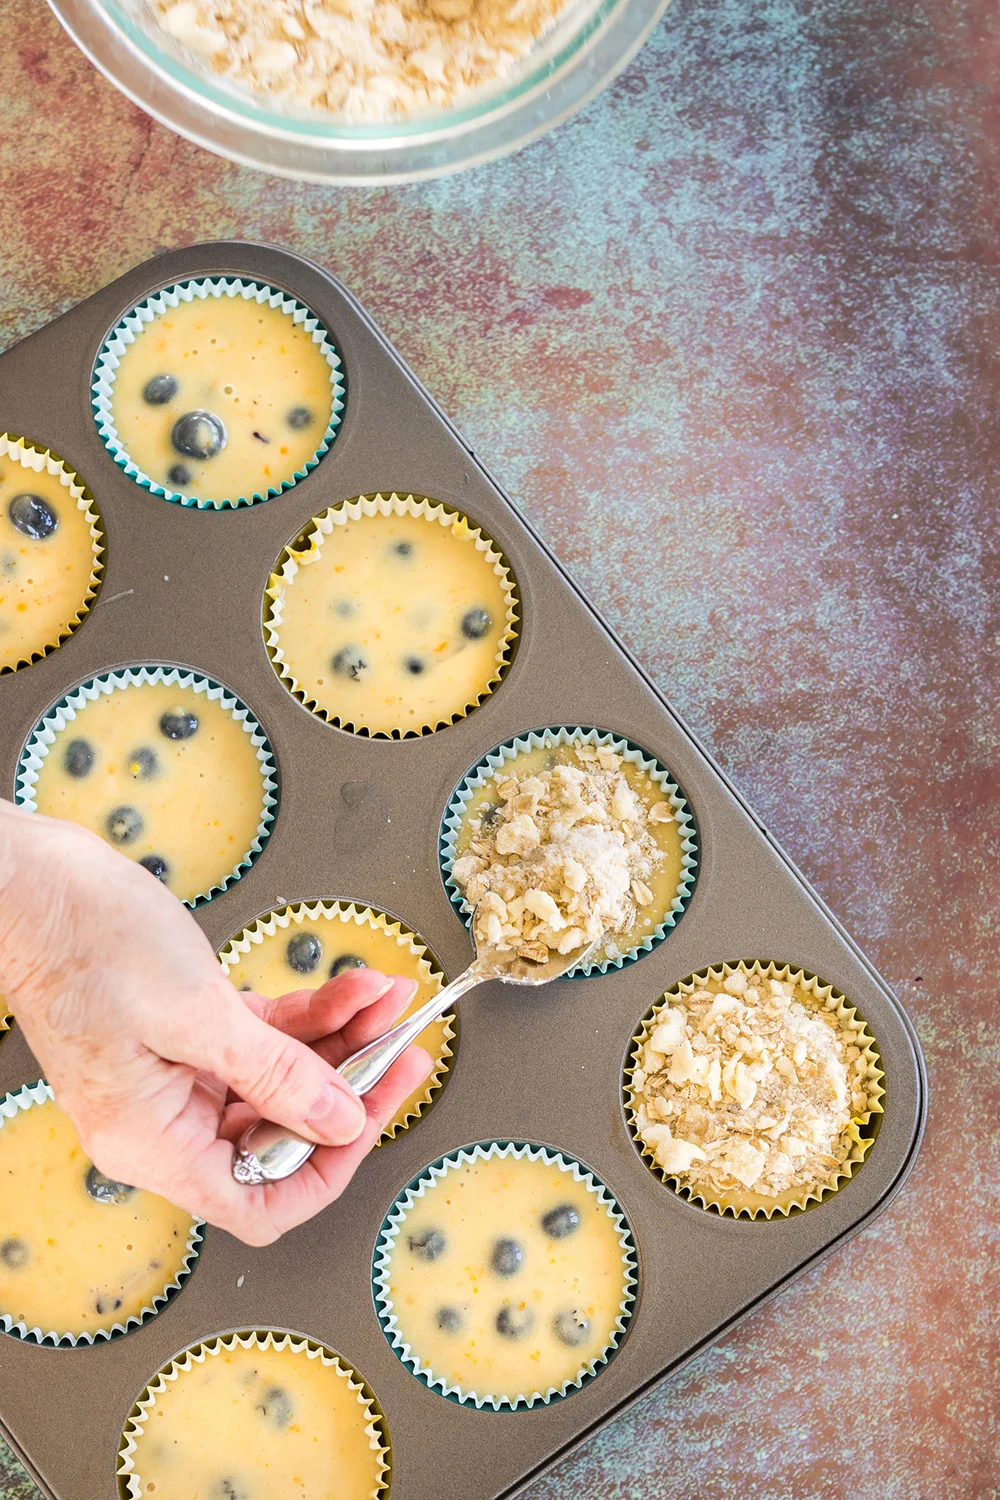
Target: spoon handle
x=269 y=1152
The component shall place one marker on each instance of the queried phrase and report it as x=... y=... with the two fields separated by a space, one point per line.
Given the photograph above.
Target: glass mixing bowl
x=590 y=43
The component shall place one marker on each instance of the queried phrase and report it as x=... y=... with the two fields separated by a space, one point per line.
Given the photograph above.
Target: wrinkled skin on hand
x=157 y=1059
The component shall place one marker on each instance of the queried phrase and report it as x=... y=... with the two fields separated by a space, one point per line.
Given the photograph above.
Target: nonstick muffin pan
x=359 y=819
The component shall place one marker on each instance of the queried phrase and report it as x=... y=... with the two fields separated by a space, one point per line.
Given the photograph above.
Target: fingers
x=311 y=1014
x=282 y=1078
x=260 y=1215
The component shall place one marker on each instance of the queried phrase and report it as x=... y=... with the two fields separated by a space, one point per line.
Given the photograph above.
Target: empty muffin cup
x=650 y=907
x=391 y=616
x=121 y=752
x=753 y=1089
x=241 y=1412
x=82 y=1258
x=302 y=945
x=218 y=393
x=51 y=552
x=504 y=1276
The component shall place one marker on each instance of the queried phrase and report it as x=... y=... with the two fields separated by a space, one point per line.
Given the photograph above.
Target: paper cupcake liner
x=133 y=324
x=55 y=719
x=362 y=916
x=38 y=459
x=310 y=542
x=130 y=1483
x=40 y=1093
x=863 y=1129
x=547 y=739
x=396 y=1217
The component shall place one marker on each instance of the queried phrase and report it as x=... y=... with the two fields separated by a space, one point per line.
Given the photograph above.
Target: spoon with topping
x=268 y=1153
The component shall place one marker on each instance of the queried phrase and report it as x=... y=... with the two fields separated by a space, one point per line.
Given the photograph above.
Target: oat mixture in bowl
x=360 y=60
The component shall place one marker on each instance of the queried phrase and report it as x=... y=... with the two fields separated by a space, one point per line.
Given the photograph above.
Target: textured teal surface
x=730 y=339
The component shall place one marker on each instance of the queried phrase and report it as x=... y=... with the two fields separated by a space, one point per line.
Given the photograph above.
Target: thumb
x=283 y=1079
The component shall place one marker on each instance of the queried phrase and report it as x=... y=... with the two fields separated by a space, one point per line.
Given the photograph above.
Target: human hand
x=157 y=1059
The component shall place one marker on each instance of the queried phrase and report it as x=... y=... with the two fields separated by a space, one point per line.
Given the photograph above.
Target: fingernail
x=336 y=1116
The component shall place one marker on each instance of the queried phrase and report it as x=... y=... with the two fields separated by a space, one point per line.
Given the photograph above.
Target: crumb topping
x=359 y=59
x=741 y=1085
x=563 y=859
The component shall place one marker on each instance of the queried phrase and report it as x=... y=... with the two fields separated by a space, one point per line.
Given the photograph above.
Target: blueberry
x=179 y=474
x=507 y=1257
x=489 y=813
x=415 y=665
x=304 y=952
x=276 y=1404
x=402 y=549
x=449 y=1319
x=299 y=417
x=14 y=1253
x=345 y=608
x=349 y=662
x=427 y=1244
x=571 y=1327
x=198 y=434
x=561 y=1221
x=143 y=764
x=514 y=1322
x=105 y=1189
x=159 y=390
x=156 y=865
x=79 y=759
x=124 y=825
x=179 y=724
x=8 y=564
x=107 y=1304
x=344 y=962
x=227 y=1489
x=476 y=624
x=32 y=516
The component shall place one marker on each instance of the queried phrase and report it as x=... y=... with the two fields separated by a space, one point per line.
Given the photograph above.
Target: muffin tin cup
x=134 y=324
x=55 y=719
x=296 y=555
x=557 y=735
x=40 y=1093
x=863 y=1128
x=362 y=916
x=396 y=1217
x=38 y=460
x=130 y=1482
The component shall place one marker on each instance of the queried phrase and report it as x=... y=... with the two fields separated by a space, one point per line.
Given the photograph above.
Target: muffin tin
x=359 y=819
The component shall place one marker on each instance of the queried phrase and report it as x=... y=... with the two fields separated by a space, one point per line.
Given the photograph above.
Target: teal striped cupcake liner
x=134 y=324
x=27 y=1097
x=547 y=739
x=389 y=1234
x=56 y=718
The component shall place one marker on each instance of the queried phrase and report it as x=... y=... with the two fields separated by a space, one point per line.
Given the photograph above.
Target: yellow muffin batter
x=506 y=1278
x=390 y=623
x=319 y=942
x=47 y=560
x=664 y=881
x=74 y=1261
x=222 y=398
x=165 y=774
x=259 y=1424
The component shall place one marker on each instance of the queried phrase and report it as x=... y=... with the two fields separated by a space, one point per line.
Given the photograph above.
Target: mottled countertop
x=730 y=338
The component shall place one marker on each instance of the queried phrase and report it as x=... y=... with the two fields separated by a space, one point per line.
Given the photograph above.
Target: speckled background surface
x=730 y=340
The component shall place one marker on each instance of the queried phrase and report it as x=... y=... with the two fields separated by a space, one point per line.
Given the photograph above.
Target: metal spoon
x=267 y=1152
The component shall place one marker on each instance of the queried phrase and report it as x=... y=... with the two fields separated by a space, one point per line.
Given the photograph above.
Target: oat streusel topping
x=563 y=859
x=742 y=1085
x=363 y=60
